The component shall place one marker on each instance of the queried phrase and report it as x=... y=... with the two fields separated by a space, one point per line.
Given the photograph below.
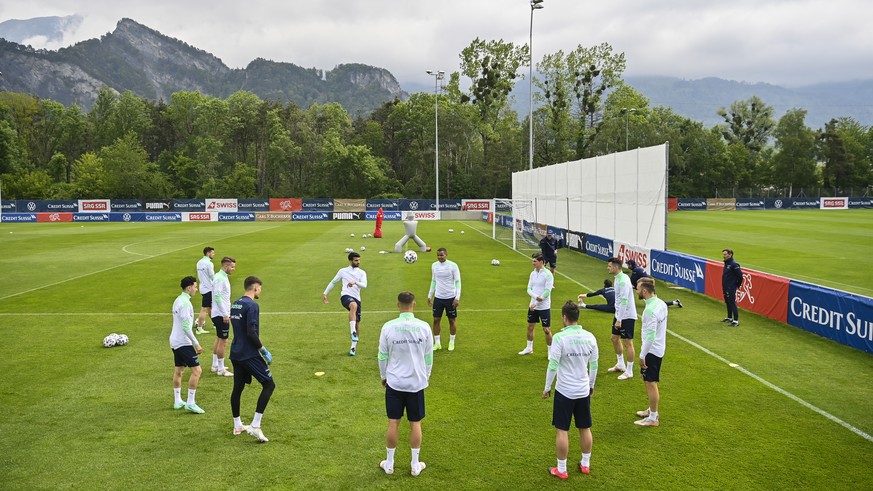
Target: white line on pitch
x=331 y=312
x=525 y=255
x=128 y=263
x=778 y=389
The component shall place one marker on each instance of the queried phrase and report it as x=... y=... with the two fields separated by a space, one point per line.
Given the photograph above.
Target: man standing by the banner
x=731 y=279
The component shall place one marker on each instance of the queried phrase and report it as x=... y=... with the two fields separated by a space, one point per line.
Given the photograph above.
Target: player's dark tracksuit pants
x=730 y=300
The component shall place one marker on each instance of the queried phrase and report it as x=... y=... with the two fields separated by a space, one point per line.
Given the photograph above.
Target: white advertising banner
x=222 y=204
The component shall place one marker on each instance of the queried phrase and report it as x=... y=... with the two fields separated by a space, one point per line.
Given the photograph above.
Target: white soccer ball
x=109 y=341
x=363 y=248
x=351 y=235
x=462 y=232
x=495 y=262
x=349 y=249
x=122 y=340
x=451 y=230
x=410 y=257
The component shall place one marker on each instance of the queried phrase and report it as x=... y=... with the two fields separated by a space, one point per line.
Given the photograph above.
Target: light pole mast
x=437 y=76
x=534 y=5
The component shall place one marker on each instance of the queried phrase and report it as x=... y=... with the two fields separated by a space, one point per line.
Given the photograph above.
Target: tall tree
x=837 y=162
x=794 y=165
x=749 y=122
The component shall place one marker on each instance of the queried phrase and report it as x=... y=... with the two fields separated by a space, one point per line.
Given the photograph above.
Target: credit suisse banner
x=91 y=217
x=253 y=204
x=19 y=217
x=385 y=203
x=386 y=215
x=187 y=205
x=841 y=316
x=763 y=293
x=599 y=247
x=679 y=269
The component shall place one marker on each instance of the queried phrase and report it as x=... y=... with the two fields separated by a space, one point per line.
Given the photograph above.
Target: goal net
x=515 y=224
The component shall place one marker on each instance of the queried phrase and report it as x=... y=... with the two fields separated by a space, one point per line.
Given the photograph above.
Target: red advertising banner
x=672 y=204
x=762 y=293
x=286 y=204
x=54 y=217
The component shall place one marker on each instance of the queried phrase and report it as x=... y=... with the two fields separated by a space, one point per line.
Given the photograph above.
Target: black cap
x=631 y=263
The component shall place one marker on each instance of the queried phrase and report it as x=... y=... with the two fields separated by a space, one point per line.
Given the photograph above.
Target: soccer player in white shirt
x=623 y=323
x=221 y=314
x=539 y=289
x=573 y=357
x=444 y=294
x=654 y=336
x=205 y=272
x=405 y=363
x=353 y=278
x=185 y=347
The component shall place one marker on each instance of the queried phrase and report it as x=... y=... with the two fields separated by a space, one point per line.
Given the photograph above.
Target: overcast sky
x=784 y=42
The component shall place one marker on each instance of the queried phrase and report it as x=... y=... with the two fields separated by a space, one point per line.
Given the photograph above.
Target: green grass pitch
x=79 y=416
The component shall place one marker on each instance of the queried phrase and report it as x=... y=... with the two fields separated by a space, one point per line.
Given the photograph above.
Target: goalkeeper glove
x=268 y=357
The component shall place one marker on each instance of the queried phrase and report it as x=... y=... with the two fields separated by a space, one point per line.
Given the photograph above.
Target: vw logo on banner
x=31 y=206
x=413 y=205
x=778 y=203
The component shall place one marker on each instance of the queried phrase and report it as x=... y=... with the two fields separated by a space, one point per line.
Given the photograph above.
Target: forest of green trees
x=196 y=145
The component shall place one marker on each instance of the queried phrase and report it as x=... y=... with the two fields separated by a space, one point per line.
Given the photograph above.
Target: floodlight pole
x=534 y=5
x=437 y=76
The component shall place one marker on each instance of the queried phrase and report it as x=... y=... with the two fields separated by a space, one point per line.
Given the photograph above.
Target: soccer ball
x=451 y=230
x=410 y=257
x=122 y=340
x=351 y=235
x=363 y=248
x=349 y=249
x=495 y=262
x=109 y=341
x=462 y=232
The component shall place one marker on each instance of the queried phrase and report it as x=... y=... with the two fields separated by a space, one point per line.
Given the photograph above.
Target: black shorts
x=564 y=408
x=552 y=262
x=652 y=372
x=186 y=356
x=440 y=304
x=627 y=328
x=206 y=303
x=534 y=316
x=347 y=300
x=253 y=367
x=222 y=329
x=396 y=401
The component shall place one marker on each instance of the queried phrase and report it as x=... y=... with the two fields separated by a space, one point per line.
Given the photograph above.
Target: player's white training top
x=573 y=358
x=346 y=275
x=624 y=297
x=540 y=285
x=220 y=294
x=183 y=319
x=654 y=332
x=205 y=272
x=445 y=280
x=406 y=353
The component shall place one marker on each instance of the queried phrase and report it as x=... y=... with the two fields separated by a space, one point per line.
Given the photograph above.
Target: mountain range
x=152 y=65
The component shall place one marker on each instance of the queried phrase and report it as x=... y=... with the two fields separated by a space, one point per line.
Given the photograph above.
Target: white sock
x=214 y=360
x=530 y=345
x=256 y=421
x=451 y=339
x=586 y=459
x=562 y=465
x=437 y=340
x=237 y=422
x=653 y=415
x=177 y=394
x=191 y=393
x=389 y=459
x=415 y=457
x=630 y=368
x=354 y=344
x=221 y=364
x=352 y=325
x=620 y=362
